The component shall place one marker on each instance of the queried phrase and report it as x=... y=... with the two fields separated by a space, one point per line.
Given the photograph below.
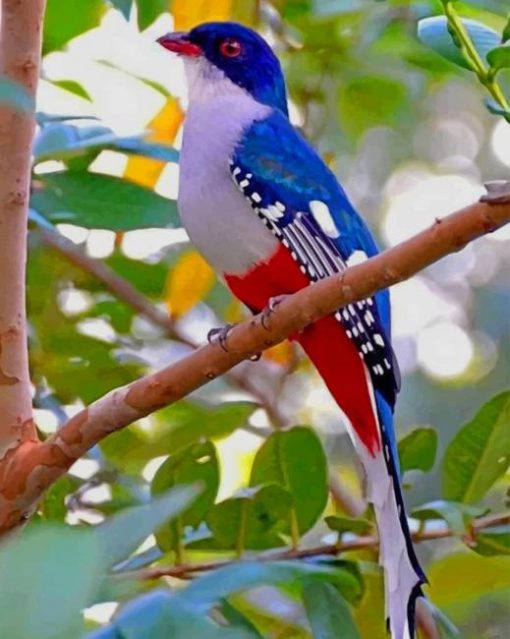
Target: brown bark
x=184 y=571
x=20 y=44
x=36 y=466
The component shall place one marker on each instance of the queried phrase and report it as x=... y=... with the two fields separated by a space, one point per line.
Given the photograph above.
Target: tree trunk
x=20 y=45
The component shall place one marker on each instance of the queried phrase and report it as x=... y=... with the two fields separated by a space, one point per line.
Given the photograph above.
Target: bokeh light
x=445 y=350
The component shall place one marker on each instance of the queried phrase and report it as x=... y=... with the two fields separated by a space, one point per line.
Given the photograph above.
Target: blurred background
x=409 y=137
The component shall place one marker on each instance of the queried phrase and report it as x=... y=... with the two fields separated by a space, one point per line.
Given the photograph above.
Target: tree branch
x=184 y=571
x=129 y=295
x=20 y=45
x=35 y=467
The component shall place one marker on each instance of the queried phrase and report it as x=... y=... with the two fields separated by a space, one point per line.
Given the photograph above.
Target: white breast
x=217 y=217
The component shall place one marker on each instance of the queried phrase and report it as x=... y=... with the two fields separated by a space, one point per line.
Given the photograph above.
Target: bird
x=261 y=206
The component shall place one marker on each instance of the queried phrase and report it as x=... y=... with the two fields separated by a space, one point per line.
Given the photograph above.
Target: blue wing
x=300 y=200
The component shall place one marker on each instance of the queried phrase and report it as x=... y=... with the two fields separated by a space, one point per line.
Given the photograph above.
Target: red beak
x=180 y=43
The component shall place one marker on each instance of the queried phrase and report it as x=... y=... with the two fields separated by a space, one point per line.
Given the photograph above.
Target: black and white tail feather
x=403 y=575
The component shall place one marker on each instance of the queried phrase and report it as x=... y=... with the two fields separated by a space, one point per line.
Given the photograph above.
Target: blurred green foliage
x=370 y=82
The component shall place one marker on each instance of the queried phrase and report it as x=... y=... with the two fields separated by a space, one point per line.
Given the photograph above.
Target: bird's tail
x=369 y=419
x=403 y=575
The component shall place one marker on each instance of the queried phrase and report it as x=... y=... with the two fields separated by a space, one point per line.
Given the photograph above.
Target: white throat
x=206 y=82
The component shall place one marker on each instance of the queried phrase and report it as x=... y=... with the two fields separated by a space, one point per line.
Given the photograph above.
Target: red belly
x=280 y=275
x=325 y=342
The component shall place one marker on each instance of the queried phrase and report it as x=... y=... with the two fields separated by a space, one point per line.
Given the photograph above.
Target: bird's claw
x=220 y=336
x=270 y=309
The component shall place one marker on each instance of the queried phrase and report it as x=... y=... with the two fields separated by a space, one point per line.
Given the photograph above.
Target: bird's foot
x=220 y=336
x=270 y=309
x=498 y=192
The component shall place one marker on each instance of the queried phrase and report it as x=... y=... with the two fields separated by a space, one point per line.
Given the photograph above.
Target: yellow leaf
x=163 y=128
x=188 y=282
x=280 y=354
x=188 y=13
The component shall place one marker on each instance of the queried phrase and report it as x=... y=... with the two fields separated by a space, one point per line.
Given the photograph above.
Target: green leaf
x=100 y=201
x=64 y=141
x=138 y=146
x=244 y=575
x=46 y=577
x=499 y=58
x=253 y=519
x=506 y=32
x=149 y=10
x=139 y=560
x=196 y=464
x=417 y=450
x=479 y=454
x=179 y=425
x=65 y=20
x=496 y=108
x=434 y=33
x=123 y=533
x=14 y=95
x=328 y=613
x=158 y=615
x=186 y=422
x=74 y=365
x=124 y=6
x=72 y=87
x=457 y=516
x=493 y=541
x=295 y=460
x=43 y=119
x=352 y=585
x=58 y=141
x=53 y=505
x=356 y=525
x=452 y=583
x=371 y=100
x=236 y=618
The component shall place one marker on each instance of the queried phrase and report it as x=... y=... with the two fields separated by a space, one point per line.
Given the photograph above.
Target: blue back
x=284 y=168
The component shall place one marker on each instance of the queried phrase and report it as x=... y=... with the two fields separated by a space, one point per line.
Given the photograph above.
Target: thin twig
x=360 y=543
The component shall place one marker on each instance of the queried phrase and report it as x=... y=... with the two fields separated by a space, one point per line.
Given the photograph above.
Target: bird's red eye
x=230 y=48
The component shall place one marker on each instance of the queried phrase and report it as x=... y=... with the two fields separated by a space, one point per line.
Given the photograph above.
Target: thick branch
x=20 y=45
x=184 y=571
x=35 y=468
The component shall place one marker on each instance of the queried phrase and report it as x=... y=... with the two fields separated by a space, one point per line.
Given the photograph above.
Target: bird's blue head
x=239 y=53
